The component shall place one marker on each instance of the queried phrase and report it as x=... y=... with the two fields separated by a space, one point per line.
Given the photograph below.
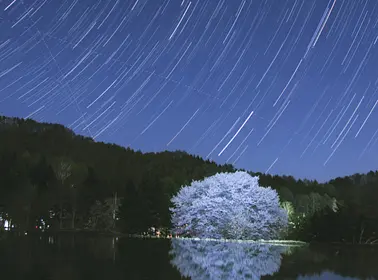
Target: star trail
x=285 y=87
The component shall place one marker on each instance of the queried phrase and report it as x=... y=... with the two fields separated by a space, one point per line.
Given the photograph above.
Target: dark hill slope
x=32 y=154
x=47 y=166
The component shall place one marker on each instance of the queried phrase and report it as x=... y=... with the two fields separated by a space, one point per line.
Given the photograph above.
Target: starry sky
x=278 y=86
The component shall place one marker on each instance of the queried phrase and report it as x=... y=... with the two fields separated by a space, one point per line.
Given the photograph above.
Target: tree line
x=69 y=181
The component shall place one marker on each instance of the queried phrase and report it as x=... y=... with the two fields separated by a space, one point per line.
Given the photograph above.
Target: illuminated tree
x=228 y=205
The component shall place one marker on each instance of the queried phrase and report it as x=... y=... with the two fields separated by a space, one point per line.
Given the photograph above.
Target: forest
x=53 y=179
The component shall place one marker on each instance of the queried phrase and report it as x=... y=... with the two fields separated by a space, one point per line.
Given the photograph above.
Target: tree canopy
x=228 y=205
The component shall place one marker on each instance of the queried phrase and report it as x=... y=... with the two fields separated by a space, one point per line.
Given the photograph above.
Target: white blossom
x=228 y=205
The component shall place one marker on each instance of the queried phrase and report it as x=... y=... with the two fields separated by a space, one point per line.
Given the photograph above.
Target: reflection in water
x=328 y=276
x=225 y=260
x=96 y=257
x=51 y=239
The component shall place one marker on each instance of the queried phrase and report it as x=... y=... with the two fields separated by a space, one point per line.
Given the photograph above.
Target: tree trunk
x=61 y=216
x=361 y=233
x=27 y=219
x=114 y=210
x=73 y=218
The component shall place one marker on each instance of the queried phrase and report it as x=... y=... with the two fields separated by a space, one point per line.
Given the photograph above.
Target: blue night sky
x=285 y=87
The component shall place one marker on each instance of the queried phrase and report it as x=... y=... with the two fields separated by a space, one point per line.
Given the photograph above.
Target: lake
x=80 y=256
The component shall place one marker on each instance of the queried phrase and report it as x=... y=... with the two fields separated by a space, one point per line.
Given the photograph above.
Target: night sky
x=285 y=87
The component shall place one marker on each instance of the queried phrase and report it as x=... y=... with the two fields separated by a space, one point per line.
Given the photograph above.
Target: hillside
x=73 y=182
x=32 y=155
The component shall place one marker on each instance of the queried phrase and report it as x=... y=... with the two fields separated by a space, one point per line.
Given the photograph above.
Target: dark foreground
x=85 y=257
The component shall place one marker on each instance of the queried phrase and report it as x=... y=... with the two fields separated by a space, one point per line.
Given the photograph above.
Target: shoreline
x=139 y=236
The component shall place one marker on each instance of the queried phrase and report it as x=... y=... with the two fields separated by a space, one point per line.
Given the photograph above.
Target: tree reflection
x=225 y=260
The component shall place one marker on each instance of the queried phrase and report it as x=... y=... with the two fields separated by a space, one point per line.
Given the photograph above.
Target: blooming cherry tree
x=228 y=205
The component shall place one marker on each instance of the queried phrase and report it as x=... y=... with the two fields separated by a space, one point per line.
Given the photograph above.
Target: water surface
x=92 y=257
